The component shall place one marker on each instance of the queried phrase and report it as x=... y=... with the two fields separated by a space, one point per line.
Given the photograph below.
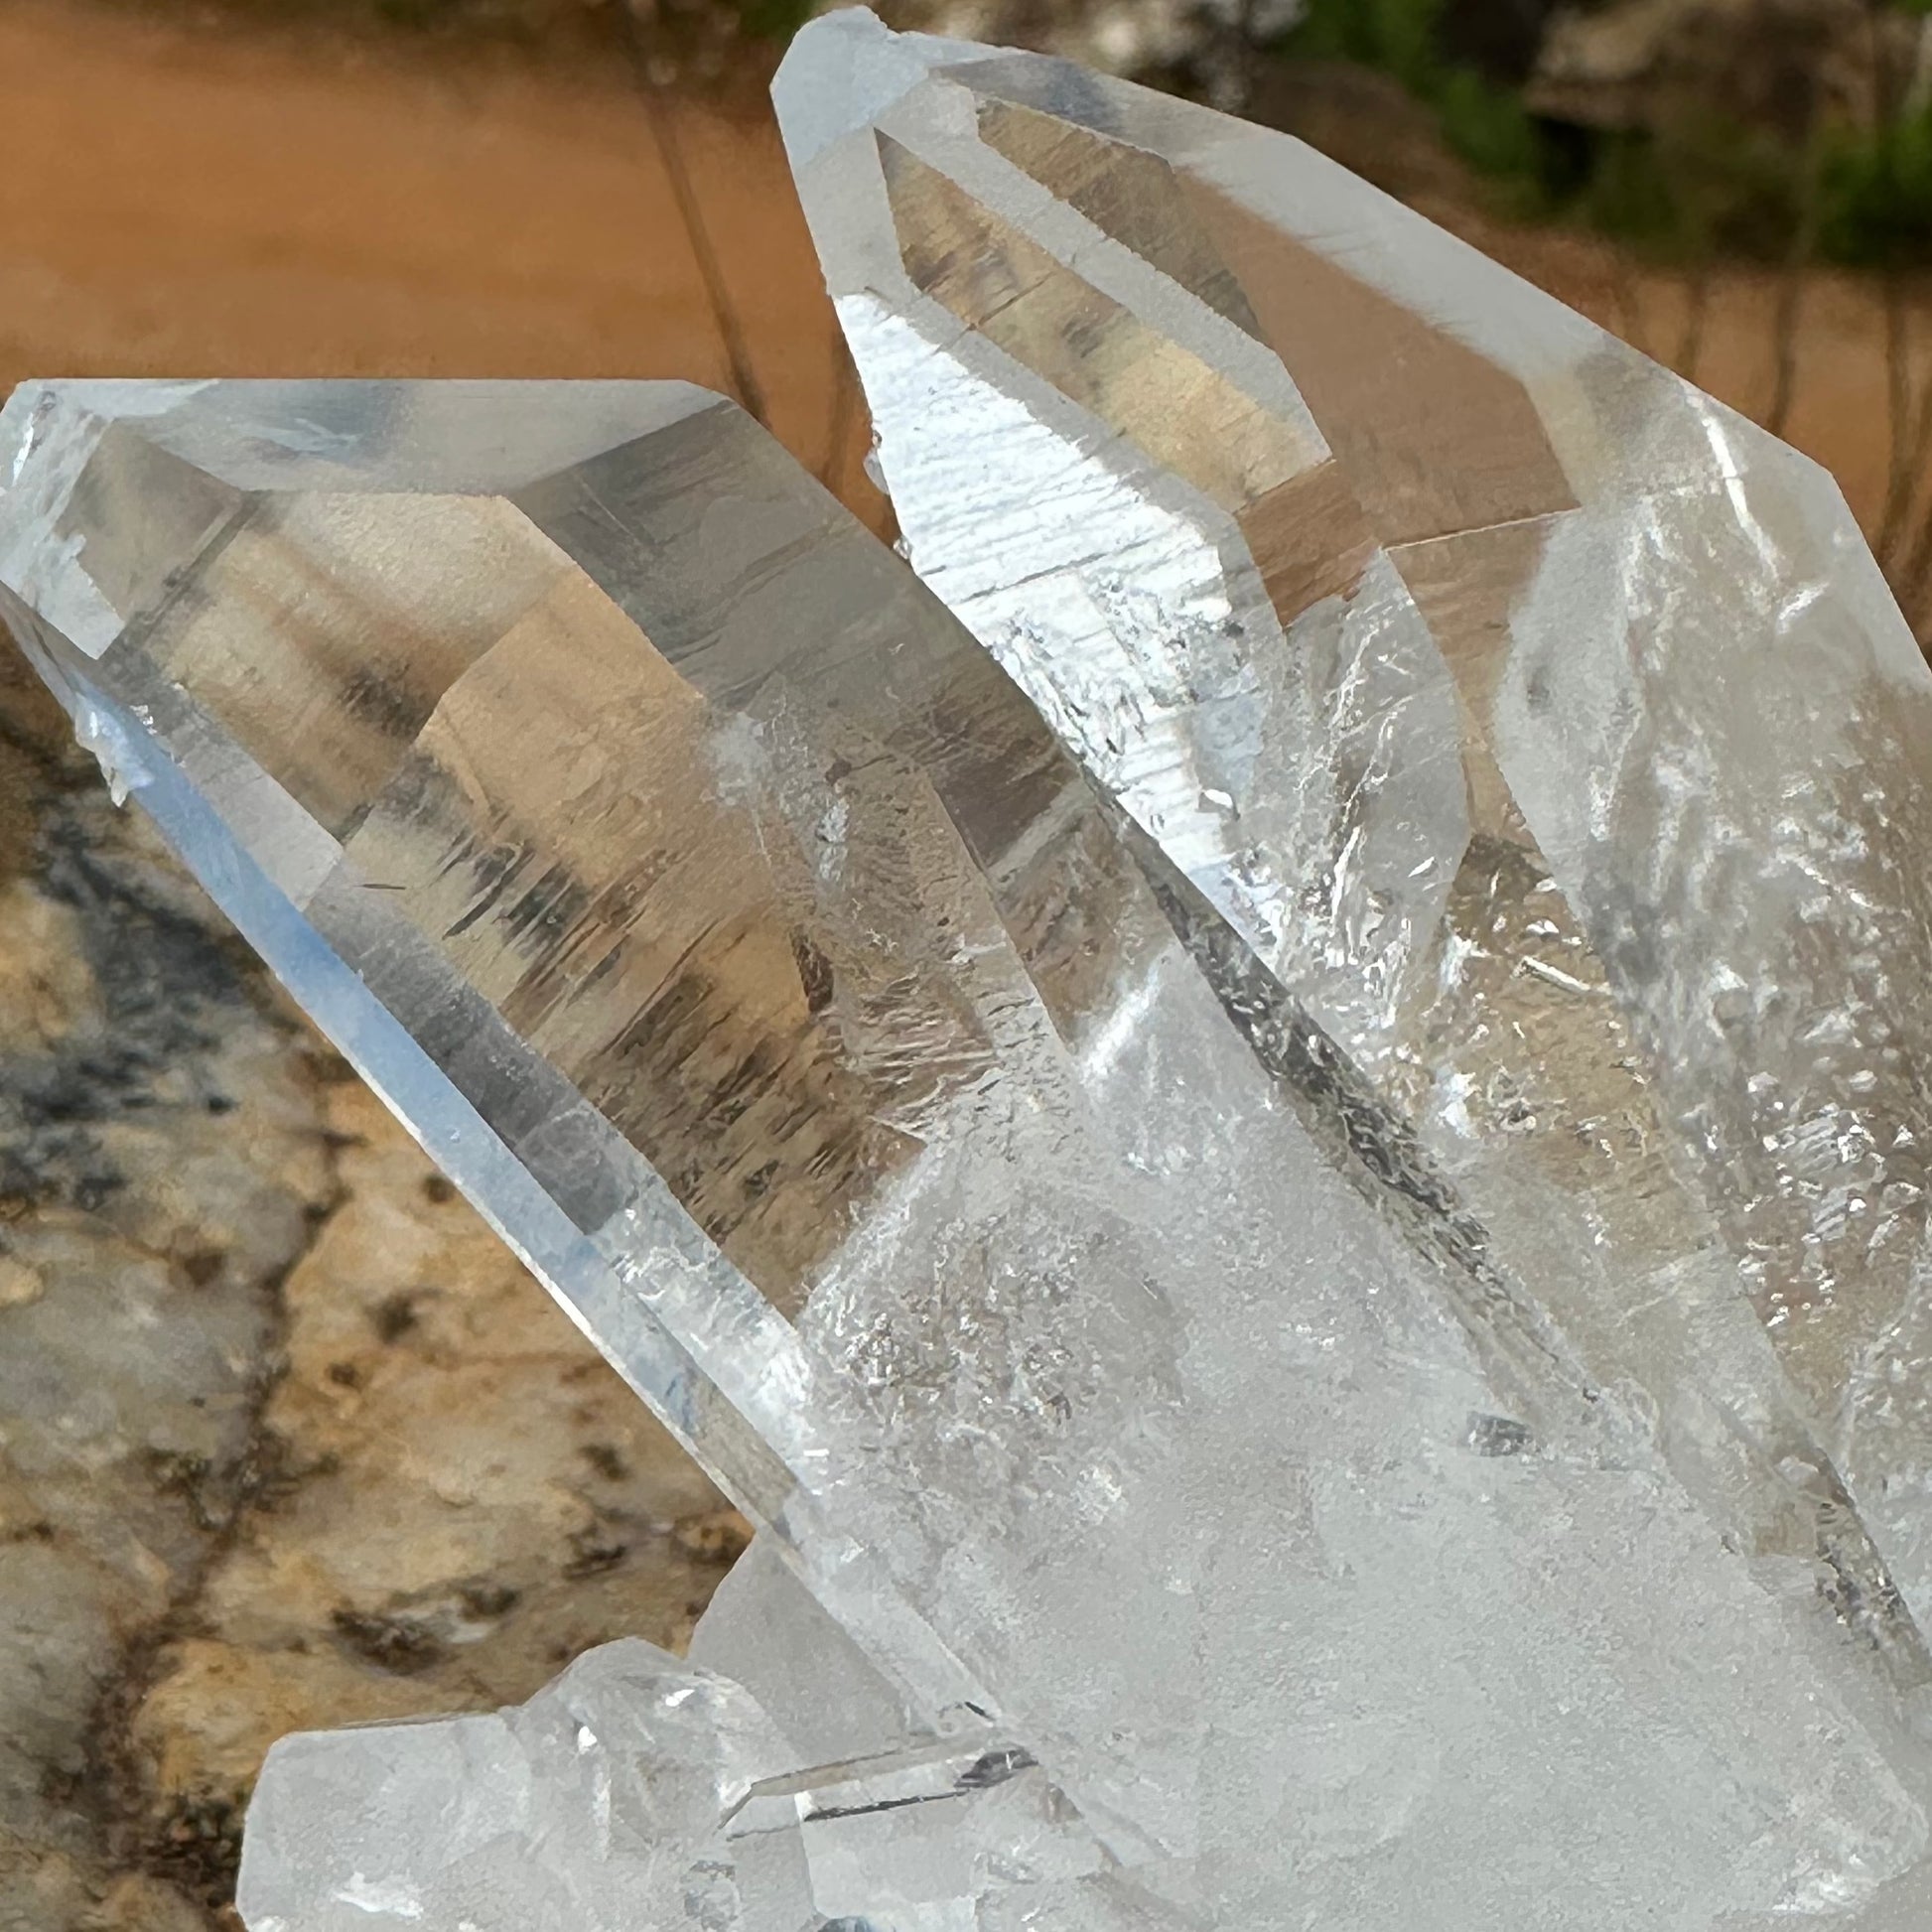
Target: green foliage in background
x=1484 y=123
x=779 y=20
x=1712 y=187
x=1858 y=196
x=1876 y=197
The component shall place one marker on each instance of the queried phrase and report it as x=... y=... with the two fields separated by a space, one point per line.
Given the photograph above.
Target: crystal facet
x=1203 y=1280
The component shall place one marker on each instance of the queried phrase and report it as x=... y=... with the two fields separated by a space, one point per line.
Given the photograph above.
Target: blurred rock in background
x=1783 y=65
x=287 y=1437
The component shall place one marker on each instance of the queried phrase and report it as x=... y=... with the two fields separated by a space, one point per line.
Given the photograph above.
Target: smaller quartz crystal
x=597 y=1806
x=640 y=1793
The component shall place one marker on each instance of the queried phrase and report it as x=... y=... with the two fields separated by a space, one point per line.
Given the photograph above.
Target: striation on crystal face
x=1168 y=1528
x=1530 y=742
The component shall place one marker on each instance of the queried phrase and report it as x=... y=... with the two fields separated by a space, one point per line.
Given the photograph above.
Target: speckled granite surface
x=286 y=1437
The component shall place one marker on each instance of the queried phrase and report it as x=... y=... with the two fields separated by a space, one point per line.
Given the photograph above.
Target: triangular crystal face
x=1530 y=728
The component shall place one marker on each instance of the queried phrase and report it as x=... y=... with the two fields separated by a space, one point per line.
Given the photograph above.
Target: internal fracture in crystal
x=1213 y=1283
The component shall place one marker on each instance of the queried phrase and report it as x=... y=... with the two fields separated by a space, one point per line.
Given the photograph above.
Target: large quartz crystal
x=1302 y=1248
x=1538 y=755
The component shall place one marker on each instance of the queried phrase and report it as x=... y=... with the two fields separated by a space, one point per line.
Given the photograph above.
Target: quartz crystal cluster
x=1272 y=1128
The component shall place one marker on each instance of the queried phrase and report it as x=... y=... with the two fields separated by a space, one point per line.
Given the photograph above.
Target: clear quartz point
x=1186 y=1497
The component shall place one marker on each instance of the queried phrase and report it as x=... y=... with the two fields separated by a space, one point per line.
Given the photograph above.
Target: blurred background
x=286 y=1438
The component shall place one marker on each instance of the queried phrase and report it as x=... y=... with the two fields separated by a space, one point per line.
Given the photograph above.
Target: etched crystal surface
x=1182 y=1516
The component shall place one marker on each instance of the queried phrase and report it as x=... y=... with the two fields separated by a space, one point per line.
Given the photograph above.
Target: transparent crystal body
x=1537 y=752
x=1541 y=733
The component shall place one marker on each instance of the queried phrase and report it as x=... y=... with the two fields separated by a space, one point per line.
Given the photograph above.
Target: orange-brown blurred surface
x=202 y=197
x=228 y=195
